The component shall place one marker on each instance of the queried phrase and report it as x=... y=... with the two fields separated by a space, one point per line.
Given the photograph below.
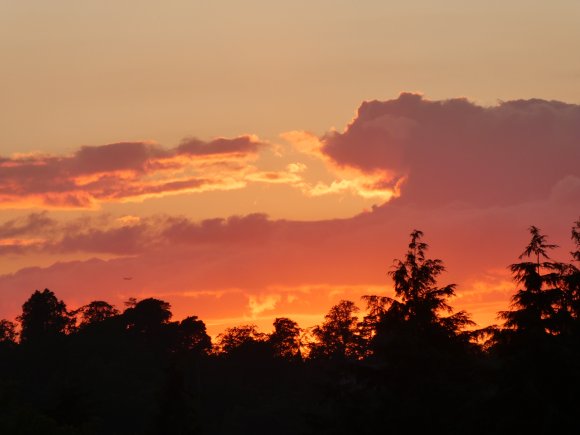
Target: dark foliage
x=338 y=337
x=285 y=340
x=44 y=318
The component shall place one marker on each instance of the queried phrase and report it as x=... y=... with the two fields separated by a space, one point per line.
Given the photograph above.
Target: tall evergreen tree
x=421 y=367
x=419 y=302
x=569 y=311
x=535 y=304
x=573 y=283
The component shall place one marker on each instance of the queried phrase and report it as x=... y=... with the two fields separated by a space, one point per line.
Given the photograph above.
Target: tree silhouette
x=568 y=314
x=339 y=336
x=95 y=312
x=574 y=278
x=7 y=332
x=534 y=346
x=239 y=337
x=148 y=315
x=44 y=317
x=534 y=305
x=419 y=302
x=285 y=340
x=419 y=357
x=193 y=335
x=576 y=240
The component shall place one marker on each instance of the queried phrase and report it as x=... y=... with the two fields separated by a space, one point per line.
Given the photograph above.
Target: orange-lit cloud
x=379 y=184
x=376 y=186
x=126 y=171
x=137 y=171
x=457 y=151
x=239 y=147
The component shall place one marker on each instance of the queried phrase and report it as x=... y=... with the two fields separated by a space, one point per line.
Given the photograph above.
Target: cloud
x=378 y=184
x=125 y=171
x=457 y=151
x=32 y=224
x=240 y=146
x=261 y=303
x=136 y=171
x=375 y=186
x=25 y=233
x=306 y=143
x=128 y=235
x=125 y=240
x=40 y=233
x=567 y=190
x=253 y=229
x=123 y=156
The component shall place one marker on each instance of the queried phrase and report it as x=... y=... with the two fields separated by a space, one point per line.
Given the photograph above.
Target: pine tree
x=569 y=312
x=536 y=302
x=419 y=302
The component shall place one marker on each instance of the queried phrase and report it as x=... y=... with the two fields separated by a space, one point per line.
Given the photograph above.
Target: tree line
x=407 y=363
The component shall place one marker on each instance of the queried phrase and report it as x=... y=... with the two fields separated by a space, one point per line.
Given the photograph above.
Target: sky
x=251 y=160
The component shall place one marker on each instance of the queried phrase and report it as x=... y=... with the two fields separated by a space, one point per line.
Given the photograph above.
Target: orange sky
x=250 y=160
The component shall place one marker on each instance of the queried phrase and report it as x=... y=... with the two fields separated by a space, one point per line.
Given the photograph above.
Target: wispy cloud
x=126 y=171
x=379 y=184
x=137 y=171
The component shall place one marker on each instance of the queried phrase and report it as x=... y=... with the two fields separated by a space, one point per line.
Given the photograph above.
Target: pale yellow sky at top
x=97 y=72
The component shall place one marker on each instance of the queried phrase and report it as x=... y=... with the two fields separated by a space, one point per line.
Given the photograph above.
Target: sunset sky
x=245 y=160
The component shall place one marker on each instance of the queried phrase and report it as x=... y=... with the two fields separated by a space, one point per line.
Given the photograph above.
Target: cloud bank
x=457 y=151
x=124 y=171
